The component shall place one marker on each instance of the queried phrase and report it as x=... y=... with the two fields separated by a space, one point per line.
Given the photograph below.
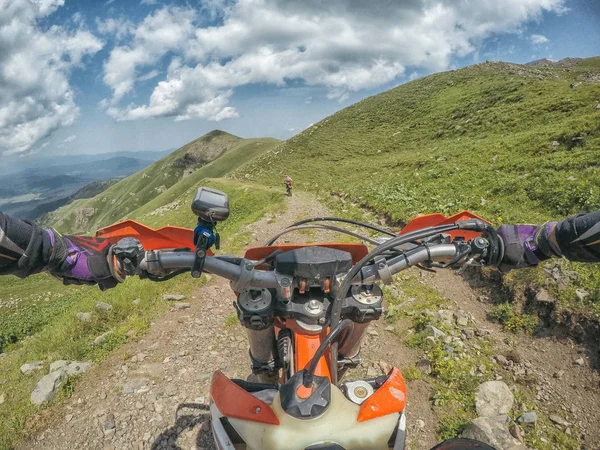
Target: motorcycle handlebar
x=158 y=263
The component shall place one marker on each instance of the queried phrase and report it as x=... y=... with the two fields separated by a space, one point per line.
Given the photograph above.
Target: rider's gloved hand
x=80 y=260
x=527 y=245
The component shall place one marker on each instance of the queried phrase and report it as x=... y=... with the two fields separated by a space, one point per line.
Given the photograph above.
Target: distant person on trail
x=288 y=185
x=26 y=248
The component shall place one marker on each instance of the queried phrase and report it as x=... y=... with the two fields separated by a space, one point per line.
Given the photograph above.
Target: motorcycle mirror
x=210 y=205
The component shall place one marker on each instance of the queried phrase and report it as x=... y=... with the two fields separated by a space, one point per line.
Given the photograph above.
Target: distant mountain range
x=165 y=187
x=30 y=188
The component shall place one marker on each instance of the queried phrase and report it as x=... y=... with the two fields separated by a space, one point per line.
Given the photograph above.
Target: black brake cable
x=339 y=219
x=272 y=240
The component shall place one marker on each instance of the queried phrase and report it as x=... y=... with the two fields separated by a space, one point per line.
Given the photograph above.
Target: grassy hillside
x=511 y=143
x=211 y=155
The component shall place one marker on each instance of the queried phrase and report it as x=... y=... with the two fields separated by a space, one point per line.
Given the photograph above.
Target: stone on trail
x=173 y=297
x=559 y=420
x=493 y=432
x=372 y=372
x=108 y=424
x=493 y=398
x=181 y=305
x=84 y=316
x=103 y=306
x=435 y=332
x=446 y=316
x=71 y=368
x=31 y=367
x=543 y=296
x=529 y=418
x=424 y=366
x=133 y=386
x=58 y=365
x=462 y=319
x=75 y=368
x=48 y=387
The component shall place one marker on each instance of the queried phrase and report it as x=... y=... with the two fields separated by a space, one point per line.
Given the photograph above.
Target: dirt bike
x=306 y=309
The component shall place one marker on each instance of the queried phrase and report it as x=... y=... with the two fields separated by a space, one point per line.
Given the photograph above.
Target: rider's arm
x=577 y=238
x=26 y=248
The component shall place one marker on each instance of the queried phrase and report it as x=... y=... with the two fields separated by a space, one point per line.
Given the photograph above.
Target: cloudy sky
x=94 y=76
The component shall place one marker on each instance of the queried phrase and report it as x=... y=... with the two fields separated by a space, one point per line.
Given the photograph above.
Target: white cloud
x=343 y=45
x=149 y=75
x=67 y=140
x=162 y=31
x=539 y=39
x=120 y=27
x=35 y=63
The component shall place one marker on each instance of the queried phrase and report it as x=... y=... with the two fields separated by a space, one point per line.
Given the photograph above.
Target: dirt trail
x=153 y=393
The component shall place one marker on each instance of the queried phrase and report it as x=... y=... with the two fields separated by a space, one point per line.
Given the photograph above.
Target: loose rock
x=137 y=301
x=173 y=297
x=515 y=431
x=529 y=418
x=579 y=362
x=133 y=386
x=493 y=398
x=492 y=432
x=48 y=387
x=462 y=319
x=424 y=366
x=543 y=296
x=446 y=316
x=84 y=316
x=75 y=368
x=181 y=305
x=109 y=423
x=501 y=359
x=581 y=294
x=372 y=372
x=31 y=367
x=559 y=420
x=103 y=306
x=435 y=332
x=60 y=364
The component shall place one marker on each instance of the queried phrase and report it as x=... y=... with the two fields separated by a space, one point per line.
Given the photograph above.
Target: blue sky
x=93 y=76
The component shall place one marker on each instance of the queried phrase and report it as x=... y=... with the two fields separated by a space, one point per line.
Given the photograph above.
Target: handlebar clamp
x=383 y=270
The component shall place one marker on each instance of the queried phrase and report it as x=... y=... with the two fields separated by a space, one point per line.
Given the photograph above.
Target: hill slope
x=512 y=143
x=212 y=155
x=499 y=139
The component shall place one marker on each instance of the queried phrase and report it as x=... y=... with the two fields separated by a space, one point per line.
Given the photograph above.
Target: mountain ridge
x=181 y=167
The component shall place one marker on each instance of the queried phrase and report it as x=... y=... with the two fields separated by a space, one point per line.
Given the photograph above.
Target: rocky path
x=153 y=393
